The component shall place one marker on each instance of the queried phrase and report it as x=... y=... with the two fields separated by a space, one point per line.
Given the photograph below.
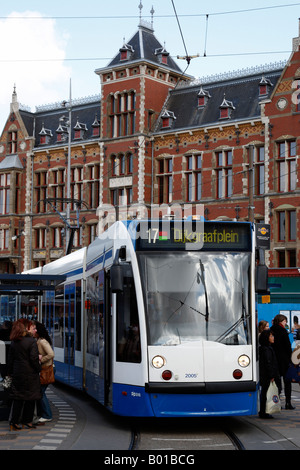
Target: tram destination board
x=194 y=235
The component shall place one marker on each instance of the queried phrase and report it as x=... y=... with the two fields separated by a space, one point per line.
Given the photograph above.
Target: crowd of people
x=275 y=353
x=30 y=351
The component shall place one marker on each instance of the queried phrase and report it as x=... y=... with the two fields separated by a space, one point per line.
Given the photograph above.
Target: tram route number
x=151 y=459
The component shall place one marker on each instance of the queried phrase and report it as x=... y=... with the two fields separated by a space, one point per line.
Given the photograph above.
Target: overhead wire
x=187 y=15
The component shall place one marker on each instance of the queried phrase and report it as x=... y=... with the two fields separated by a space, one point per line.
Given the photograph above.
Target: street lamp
x=68 y=106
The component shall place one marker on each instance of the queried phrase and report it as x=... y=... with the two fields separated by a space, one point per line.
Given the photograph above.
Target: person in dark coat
x=268 y=369
x=283 y=351
x=24 y=368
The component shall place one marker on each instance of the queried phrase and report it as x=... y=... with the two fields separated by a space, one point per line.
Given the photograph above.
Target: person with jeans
x=44 y=343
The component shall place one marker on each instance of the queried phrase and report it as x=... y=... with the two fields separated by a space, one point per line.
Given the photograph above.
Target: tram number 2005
x=191 y=376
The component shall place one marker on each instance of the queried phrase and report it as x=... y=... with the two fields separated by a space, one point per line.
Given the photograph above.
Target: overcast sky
x=44 y=44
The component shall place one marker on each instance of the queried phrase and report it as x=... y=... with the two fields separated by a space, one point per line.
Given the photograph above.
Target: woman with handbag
x=47 y=374
x=268 y=369
x=23 y=367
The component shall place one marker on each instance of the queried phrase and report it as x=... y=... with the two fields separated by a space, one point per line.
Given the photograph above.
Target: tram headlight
x=158 y=362
x=244 y=360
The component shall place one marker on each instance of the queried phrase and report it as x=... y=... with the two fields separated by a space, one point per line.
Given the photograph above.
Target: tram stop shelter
x=19 y=296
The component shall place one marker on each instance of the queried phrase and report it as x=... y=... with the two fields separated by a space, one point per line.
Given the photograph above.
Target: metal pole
x=69 y=168
x=251 y=183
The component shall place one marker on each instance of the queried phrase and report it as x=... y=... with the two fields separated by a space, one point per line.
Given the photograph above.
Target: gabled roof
x=143 y=46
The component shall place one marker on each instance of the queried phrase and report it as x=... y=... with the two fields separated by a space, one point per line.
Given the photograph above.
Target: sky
x=44 y=45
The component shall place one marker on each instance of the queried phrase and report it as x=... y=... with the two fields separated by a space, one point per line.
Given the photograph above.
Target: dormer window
x=96 y=127
x=162 y=55
x=264 y=86
x=203 y=97
x=62 y=133
x=45 y=136
x=79 y=130
x=226 y=109
x=168 y=118
x=126 y=52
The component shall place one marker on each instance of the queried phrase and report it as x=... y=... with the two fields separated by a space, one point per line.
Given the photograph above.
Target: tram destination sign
x=177 y=235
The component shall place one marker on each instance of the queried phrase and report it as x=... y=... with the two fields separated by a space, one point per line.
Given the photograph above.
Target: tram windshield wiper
x=202 y=277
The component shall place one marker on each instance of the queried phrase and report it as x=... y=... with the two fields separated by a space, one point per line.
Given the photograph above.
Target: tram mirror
x=116 y=278
x=261 y=278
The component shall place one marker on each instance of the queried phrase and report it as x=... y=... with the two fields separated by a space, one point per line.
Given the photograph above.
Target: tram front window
x=194 y=296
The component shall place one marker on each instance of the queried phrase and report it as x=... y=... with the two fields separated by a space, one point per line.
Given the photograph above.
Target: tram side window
x=128 y=329
x=95 y=309
x=78 y=316
x=59 y=318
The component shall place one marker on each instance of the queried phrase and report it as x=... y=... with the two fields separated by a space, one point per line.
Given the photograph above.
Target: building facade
x=155 y=139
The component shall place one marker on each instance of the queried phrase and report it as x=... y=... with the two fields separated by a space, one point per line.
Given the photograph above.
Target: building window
x=259 y=170
x=287 y=225
x=57 y=237
x=286 y=221
x=12 y=141
x=165 y=180
x=286 y=165
x=193 y=177
x=76 y=185
x=168 y=117
x=129 y=163
x=223 y=173
x=121 y=196
x=92 y=232
x=58 y=186
x=286 y=258
x=78 y=236
x=40 y=238
x=4 y=193
x=122 y=114
x=93 y=186
x=41 y=191
x=122 y=164
x=4 y=239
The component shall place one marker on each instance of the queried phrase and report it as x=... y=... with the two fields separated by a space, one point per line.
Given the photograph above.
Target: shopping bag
x=273 y=404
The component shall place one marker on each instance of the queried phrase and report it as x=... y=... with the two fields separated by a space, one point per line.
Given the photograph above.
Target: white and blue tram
x=158 y=319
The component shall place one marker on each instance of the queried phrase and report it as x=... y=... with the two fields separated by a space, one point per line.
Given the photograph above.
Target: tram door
x=69 y=343
x=108 y=341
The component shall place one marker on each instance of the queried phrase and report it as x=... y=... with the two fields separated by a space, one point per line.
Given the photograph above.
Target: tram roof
x=28 y=283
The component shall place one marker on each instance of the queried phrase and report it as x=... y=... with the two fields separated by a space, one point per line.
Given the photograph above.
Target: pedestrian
x=263 y=325
x=44 y=343
x=283 y=351
x=296 y=329
x=24 y=368
x=268 y=369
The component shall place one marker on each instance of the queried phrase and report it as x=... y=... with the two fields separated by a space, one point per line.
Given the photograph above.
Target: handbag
x=273 y=404
x=47 y=375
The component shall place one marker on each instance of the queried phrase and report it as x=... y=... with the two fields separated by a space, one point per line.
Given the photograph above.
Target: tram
x=157 y=318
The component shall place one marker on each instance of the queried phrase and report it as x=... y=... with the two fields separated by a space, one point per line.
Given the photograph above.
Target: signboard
x=263 y=236
x=212 y=236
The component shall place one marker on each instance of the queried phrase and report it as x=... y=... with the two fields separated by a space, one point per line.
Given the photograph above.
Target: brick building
x=154 y=136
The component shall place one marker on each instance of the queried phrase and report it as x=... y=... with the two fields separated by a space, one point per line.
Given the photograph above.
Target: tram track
x=183 y=435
